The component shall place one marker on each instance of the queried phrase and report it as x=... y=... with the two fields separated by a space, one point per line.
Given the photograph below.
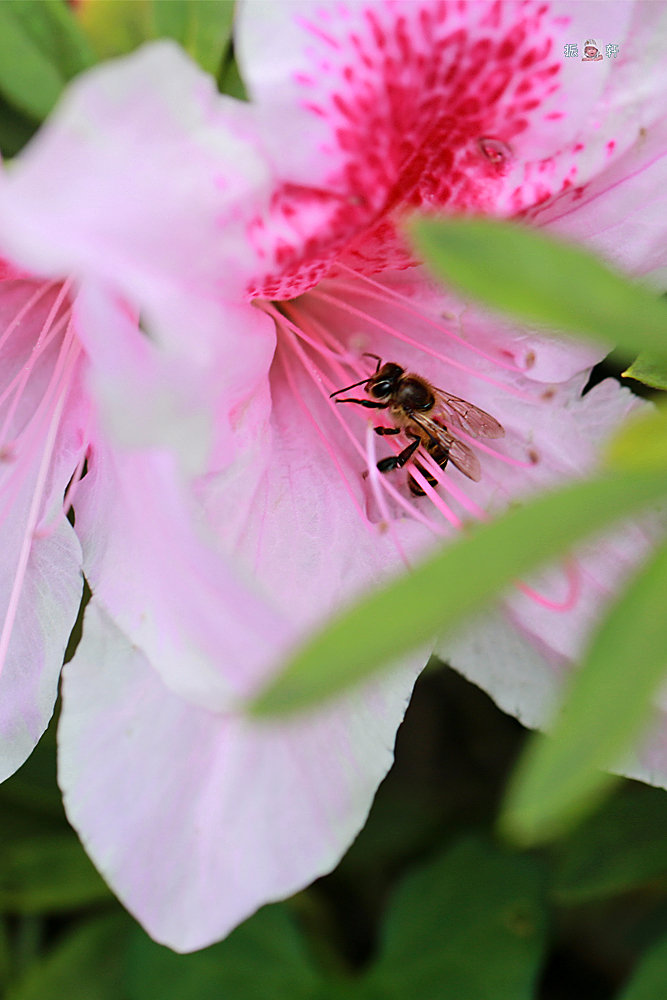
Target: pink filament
x=374 y=477
x=45 y=336
x=390 y=294
x=24 y=310
x=570 y=599
x=369 y=318
x=32 y=435
x=296 y=395
x=33 y=514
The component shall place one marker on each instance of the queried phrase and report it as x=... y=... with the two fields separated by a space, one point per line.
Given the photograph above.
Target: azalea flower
x=43 y=419
x=261 y=245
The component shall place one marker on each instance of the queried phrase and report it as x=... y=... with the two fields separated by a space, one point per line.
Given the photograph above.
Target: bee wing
x=459 y=454
x=460 y=413
x=465 y=460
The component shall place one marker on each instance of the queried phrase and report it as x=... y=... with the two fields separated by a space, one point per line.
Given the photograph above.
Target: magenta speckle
x=421 y=105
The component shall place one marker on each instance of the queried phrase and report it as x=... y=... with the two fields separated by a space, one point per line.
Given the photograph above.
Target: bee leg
x=387 y=430
x=398 y=461
x=365 y=402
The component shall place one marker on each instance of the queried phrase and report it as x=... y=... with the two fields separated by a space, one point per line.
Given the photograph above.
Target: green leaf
x=5 y=956
x=47 y=873
x=541 y=280
x=202 y=27
x=641 y=442
x=560 y=777
x=88 y=964
x=650 y=370
x=469 y=926
x=449 y=586
x=620 y=848
x=230 y=82
x=648 y=981
x=41 y=48
x=115 y=27
x=264 y=957
x=16 y=129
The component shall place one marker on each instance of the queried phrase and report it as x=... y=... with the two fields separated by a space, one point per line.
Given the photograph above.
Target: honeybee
x=425 y=414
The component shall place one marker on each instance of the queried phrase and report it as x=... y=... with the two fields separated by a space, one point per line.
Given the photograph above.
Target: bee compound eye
x=381 y=389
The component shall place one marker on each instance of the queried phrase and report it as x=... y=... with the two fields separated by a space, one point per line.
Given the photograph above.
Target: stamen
x=412 y=509
x=297 y=395
x=369 y=318
x=24 y=372
x=433 y=494
x=515 y=462
x=283 y=320
x=450 y=487
x=33 y=433
x=373 y=479
x=46 y=334
x=26 y=545
x=385 y=293
x=24 y=310
x=318 y=331
x=569 y=601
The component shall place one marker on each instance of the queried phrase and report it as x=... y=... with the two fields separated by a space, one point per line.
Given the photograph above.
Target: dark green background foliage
x=427 y=902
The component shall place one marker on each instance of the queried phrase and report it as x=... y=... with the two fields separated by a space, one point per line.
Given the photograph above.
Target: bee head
x=384 y=382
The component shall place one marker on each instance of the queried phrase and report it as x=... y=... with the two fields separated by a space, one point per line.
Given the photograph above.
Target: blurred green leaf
x=641 y=442
x=264 y=957
x=469 y=926
x=443 y=590
x=202 y=27
x=620 y=848
x=34 y=786
x=87 y=964
x=650 y=370
x=650 y=977
x=540 y=280
x=48 y=873
x=115 y=27
x=16 y=129
x=41 y=48
x=560 y=777
x=230 y=82
x=5 y=962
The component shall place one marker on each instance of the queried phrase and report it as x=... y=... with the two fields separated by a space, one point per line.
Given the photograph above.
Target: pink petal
x=40 y=571
x=390 y=108
x=236 y=815
x=143 y=181
x=620 y=214
x=47 y=609
x=208 y=628
x=392 y=72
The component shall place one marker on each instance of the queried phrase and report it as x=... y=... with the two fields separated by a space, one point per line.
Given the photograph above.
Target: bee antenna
x=353 y=386
x=364 y=380
x=367 y=354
